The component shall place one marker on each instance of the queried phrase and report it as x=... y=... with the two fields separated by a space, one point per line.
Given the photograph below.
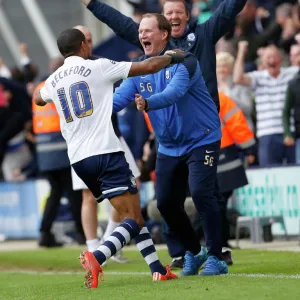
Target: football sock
x=111 y=226
x=124 y=233
x=145 y=245
x=92 y=245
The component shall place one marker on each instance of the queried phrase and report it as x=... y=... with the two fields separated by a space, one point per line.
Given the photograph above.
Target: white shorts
x=78 y=184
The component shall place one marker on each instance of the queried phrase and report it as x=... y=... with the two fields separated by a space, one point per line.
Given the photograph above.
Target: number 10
x=80 y=98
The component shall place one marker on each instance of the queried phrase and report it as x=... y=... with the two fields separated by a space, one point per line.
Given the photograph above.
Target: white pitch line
x=268 y=276
x=273 y=276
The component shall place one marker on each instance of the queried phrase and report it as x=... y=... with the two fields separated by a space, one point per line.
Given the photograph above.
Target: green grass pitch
x=56 y=274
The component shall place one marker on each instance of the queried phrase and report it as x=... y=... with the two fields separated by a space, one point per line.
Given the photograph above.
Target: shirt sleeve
x=255 y=76
x=177 y=87
x=45 y=94
x=114 y=71
x=124 y=95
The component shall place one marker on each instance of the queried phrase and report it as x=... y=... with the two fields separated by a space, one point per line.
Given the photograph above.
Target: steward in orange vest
x=236 y=135
x=51 y=147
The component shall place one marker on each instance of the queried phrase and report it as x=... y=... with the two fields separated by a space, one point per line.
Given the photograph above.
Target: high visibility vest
x=148 y=123
x=235 y=133
x=51 y=148
x=235 y=129
x=45 y=118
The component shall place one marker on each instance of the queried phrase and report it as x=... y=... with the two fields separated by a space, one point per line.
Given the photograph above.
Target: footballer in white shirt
x=82 y=91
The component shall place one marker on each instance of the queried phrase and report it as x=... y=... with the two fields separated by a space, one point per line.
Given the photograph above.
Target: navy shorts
x=106 y=175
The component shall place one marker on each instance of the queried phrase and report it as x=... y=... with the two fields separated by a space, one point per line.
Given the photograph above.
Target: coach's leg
x=202 y=164
x=175 y=247
x=176 y=193
x=171 y=184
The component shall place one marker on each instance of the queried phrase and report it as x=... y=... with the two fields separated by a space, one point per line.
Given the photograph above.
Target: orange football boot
x=156 y=276
x=92 y=269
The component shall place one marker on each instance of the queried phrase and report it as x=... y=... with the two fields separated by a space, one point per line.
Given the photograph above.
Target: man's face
x=271 y=58
x=178 y=17
x=151 y=38
x=294 y=55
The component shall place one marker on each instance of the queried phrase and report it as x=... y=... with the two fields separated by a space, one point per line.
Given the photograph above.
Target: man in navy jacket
x=199 y=39
x=187 y=126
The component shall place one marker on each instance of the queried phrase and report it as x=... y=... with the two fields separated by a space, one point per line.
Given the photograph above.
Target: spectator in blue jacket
x=186 y=123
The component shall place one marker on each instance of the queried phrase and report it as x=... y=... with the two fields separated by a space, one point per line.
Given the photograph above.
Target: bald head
x=87 y=34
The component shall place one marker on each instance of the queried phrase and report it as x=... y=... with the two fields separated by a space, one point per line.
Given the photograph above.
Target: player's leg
x=171 y=184
x=90 y=219
x=202 y=163
x=118 y=185
x=114 y=220
x=88 y=212
x=128 y=208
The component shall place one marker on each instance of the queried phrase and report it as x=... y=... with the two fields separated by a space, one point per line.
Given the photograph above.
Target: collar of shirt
x=73 y=59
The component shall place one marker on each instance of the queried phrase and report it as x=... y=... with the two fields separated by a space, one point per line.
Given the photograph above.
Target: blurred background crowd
x=262 y=23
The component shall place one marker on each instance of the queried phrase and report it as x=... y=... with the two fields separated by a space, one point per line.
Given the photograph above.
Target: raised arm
x=223 y=18
x=122 y=25
x=239 y=75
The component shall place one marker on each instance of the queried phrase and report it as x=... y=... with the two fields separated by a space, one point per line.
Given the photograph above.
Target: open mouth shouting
x=176 y=28
x=147 y=47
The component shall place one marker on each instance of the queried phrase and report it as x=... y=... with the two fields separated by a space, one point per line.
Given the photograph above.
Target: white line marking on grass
x=268 y=276
x=273 y=276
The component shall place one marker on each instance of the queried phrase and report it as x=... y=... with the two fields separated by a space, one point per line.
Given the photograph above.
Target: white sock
x=92 y=245
x=111 y=226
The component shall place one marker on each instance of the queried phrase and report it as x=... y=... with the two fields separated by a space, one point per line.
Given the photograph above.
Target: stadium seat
x=256 y=224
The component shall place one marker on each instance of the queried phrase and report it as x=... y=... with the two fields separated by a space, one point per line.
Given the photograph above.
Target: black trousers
x=199 y=171
x=60 y=182
x=224 y=219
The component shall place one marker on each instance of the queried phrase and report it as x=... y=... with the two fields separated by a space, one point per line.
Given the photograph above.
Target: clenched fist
x=177 y=56
x=141 y=103
x=243 y=46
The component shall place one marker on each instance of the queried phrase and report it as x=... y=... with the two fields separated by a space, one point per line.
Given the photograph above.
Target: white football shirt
x=82 y=91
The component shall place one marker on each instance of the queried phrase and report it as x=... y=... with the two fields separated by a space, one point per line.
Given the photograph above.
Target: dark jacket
x=200 y=39
x=292 y=102
x=18 y=112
